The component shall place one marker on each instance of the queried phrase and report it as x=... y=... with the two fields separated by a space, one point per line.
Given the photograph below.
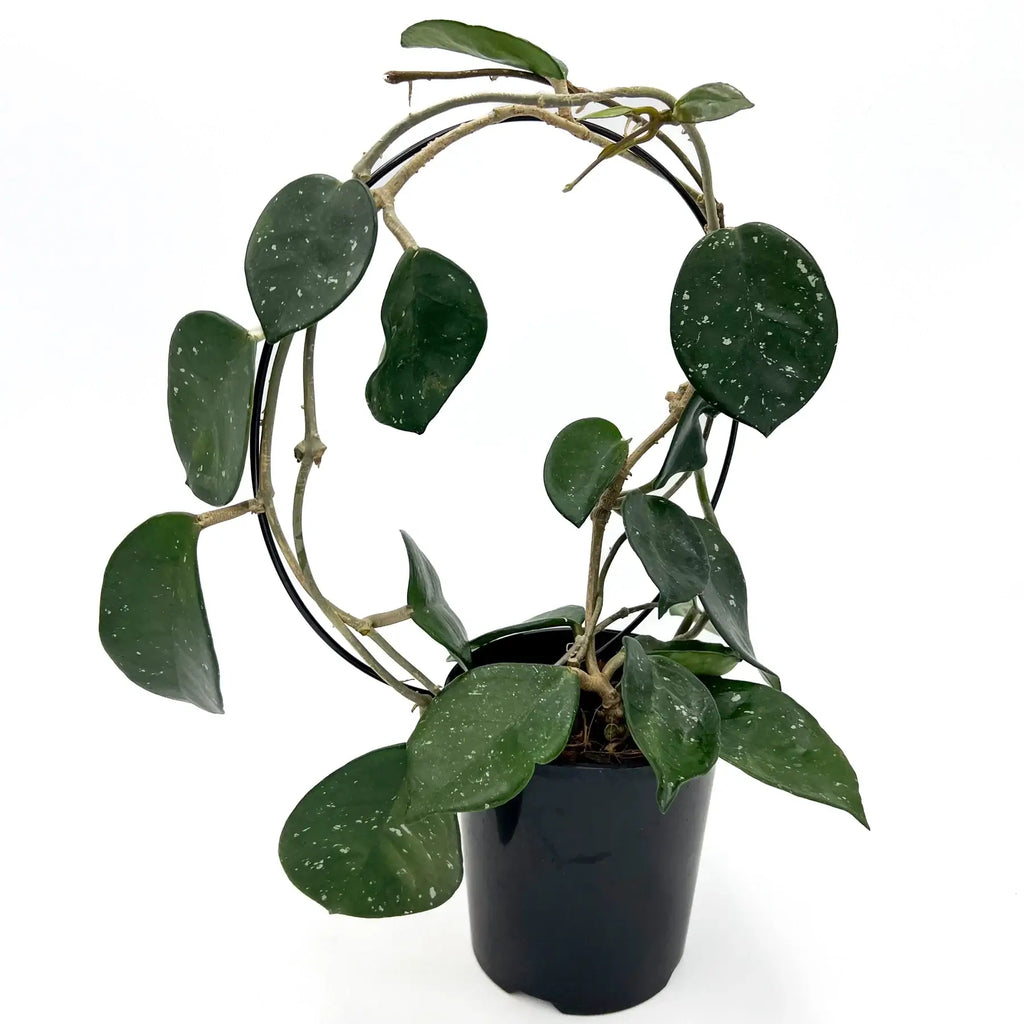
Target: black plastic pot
x=579 y=888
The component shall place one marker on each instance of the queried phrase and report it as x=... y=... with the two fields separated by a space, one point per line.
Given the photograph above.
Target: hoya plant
x=753 y=328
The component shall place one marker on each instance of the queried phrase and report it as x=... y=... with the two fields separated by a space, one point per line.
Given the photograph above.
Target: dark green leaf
x=434 y=327
x=709 y=102
x=725 y=597
x=753 y=325
x=770 y=736
x=583 y=460
x=668 y=544
x=430 y=611
x=687 y=450
x=152 y=616
x=210 y=368
x=702 y=659
x=486 y=43
x=341 y=847
x=308 y=251
x=567 y=615
x=478 y=741
x=672 y=718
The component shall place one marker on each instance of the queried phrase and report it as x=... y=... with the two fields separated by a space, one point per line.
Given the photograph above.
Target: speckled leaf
x=152 y=616
x=668 y=544
x=567 y=615
x=702 y=659
x=709 y=102
x=584 y=459
x=210 y=369
x=430 y=611
x=341 y=847
x=486 y=43
x=686 y=451
x=434 y=327
x=672 y=718
x=478 y=742
x=308 y=251
x=772 y=738
x=753 y=325
x=725 y=597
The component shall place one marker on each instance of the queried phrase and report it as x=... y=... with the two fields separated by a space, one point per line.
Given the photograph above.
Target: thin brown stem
x=583 y=649
x=710 y=206
x=335 y=615
x=375 y=621
x=524 y=104
x=398 y=77
x=612 y=552
x=395 y=225
x=224 y=515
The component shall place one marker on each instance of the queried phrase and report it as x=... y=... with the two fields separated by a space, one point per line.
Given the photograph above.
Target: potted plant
x=578 y=751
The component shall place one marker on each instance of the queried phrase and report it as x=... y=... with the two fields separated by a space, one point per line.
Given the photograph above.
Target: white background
x=879 y=530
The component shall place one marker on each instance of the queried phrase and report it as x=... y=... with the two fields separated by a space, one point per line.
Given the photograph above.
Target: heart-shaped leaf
x=583 y=460
x=210 y=369
x=477 y=743
x=668 y=544
x=772 y=738
x=709 y=102
x=152 y=616
x=686 y=451
x=430 y=611
x=702 y=659
x=486 y=43
x=341 y=847
x=753 y=325
x=309 y=249
x=672 y=718
x=567 y=615
x=725 y=597
x=434 y=327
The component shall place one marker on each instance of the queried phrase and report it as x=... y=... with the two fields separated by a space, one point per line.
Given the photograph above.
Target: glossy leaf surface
x=672 y=718
x=709 y=102
x=434 y=327
x=341 y=847
x=686 y=451
x=668 y=544
x=701 y=658
x=211 y=364
x=725 y=597
x=430 y=611
x=486 y=43
x=583 y=460
x=566 y=615
x=771 y=737
x=152 y=615
x=478 y=741
x=309 y=249
x=753 y=325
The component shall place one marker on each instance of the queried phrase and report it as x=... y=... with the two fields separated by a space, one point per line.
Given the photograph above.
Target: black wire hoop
x=256 y=428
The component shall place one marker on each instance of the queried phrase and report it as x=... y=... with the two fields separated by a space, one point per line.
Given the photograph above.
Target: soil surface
x=587 y=743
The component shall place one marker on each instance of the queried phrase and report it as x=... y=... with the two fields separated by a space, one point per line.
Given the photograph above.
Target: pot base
x=580 y=888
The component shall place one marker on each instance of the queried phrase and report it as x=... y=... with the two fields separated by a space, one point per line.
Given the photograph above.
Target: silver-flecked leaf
x=308 y=251
x=771 y=737
x=479 y=740
x=672 y=718
x=152 y=616
x=753 y=325
x=211 y=365
x=344 y=850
